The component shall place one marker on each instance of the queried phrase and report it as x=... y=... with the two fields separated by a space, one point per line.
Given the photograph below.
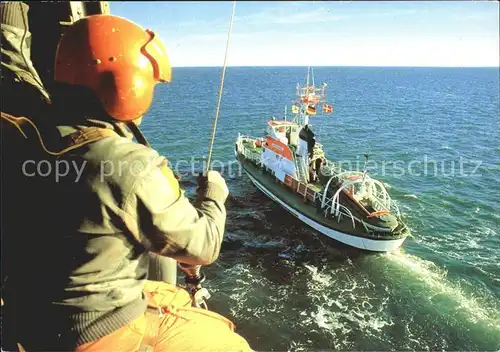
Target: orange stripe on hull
x=279 y=148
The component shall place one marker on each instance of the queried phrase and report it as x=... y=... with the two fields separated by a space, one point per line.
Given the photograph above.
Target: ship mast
x=307 y=81
x=308 y=99
x=303 y=110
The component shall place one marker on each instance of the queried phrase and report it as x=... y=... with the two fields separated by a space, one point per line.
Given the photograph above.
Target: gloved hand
x=191 y=270
x=212 y=186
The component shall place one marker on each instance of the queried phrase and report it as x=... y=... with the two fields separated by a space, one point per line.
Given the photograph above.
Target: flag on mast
x=327 y=108
x=311 y=110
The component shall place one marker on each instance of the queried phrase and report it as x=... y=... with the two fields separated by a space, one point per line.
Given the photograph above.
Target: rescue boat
x=291 y=168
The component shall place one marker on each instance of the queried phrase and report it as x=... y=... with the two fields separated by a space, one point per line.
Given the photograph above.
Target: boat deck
x=256 y=151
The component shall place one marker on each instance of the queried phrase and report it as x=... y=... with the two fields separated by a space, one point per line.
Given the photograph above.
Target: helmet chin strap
x=137 y=133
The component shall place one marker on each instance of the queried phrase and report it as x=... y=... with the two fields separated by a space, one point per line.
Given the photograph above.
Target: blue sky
x=317 y=33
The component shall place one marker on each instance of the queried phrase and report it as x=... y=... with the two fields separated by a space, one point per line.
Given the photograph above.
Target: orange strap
x=153 y=320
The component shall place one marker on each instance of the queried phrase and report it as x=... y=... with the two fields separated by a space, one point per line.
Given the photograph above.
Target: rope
x=16 y=121
x=220 y=89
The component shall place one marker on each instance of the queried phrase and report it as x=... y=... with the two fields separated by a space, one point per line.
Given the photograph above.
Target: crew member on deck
x=308 y=137
x=76 y=238
x=312 y=173
x=311 y=141
x=314 y=169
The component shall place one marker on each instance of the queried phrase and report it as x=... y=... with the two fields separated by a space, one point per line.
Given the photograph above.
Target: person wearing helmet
x=87 y=231
x=24 y=94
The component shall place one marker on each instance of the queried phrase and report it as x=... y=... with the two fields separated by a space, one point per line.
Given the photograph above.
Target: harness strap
x=153 y=319
x=86 y=136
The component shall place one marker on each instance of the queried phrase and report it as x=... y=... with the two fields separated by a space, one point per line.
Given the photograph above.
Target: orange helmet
x=117 y=59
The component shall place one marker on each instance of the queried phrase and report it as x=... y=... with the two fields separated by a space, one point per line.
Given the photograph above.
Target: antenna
x=365 y=171
x=307 y=81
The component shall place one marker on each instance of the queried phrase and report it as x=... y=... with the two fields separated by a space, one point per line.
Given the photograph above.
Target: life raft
x=378 y=213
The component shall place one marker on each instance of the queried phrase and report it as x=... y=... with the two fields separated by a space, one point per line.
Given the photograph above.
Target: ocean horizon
x=288 y=288
x=334 y=66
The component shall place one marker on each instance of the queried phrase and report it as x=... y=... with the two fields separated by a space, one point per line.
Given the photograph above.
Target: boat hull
x=373 y=245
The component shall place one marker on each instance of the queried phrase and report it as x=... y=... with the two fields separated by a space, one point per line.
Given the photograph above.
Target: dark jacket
x=75 y=242
x=308 y=136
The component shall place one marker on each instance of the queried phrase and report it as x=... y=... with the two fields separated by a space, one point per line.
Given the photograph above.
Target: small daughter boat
x=291 y=168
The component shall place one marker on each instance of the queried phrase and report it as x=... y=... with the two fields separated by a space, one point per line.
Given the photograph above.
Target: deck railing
x=330 y=206
x=301 y=188
x=378 y=195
